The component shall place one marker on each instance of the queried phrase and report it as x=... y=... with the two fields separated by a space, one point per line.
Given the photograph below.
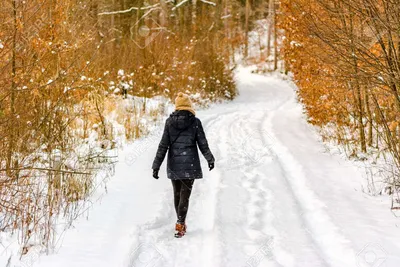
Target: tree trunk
x=270 y=24
x=246 y=28
x=12 y=95
x=370 y=119
x=275 y=37
x=163 y=14
x=358 y=95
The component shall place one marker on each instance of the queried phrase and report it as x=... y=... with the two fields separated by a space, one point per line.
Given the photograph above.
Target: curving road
x=276 y=198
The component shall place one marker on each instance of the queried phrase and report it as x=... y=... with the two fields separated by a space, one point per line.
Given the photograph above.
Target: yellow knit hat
x=182 y=102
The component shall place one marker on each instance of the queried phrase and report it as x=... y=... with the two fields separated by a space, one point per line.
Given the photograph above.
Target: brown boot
x=180 y=230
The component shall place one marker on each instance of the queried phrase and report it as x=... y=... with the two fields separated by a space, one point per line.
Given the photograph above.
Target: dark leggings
x=182 y=191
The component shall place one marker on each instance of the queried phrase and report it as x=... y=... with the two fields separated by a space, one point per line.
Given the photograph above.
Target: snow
x=125 y=86
x=294 y=43
x=275 y=198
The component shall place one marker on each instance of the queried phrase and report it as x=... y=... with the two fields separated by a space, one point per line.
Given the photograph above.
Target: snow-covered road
x=275 y=198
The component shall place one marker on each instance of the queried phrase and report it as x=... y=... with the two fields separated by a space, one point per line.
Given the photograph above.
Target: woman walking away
x=183 y=132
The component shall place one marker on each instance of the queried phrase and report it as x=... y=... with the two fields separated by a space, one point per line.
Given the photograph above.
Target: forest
x=75 y=75
x=344 y=56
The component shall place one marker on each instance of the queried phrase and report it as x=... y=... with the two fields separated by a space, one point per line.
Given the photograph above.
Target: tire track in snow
x=280 y=205
x=320 y=227
x=261 y=222
x=245 y=218
x=219 y=134
x=268 y=140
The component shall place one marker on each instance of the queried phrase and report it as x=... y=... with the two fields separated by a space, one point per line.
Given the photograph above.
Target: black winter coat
x=183 y=132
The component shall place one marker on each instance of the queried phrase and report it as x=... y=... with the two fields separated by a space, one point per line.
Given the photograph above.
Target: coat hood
x=182 y=119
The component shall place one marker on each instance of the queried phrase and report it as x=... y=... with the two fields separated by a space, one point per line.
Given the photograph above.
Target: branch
x=226 y=16
x=149 y=12
x=127 y=10
x=47 y=169
x=208 y=2
x=180 y=4
x=185 y=1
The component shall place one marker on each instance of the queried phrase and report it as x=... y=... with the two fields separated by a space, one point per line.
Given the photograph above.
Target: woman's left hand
x=155 y=174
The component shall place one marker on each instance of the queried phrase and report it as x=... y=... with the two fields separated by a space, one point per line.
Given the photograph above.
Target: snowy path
x=274 y=199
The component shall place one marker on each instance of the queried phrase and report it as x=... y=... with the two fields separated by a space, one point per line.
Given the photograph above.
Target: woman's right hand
x=211 y=166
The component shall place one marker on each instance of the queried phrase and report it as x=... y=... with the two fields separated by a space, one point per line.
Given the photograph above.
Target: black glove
x=155 y=174
x=211 y=166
